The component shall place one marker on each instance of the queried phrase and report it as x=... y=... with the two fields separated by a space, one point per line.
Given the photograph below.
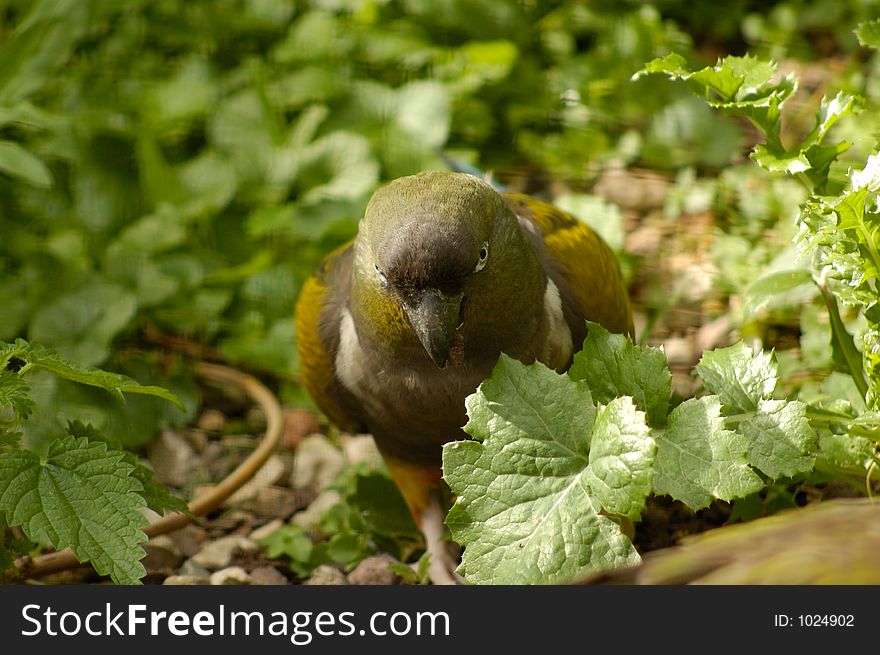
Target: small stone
x=298 y=423
x=265 y=530
x=358 y=448
x=197 y=439
x=172 y=459
x=161 y=553
x=309 y=517
x=270 y=473
x=185 y=580
x=233 y=575
x=268 y=575
x=219 y=553
x=192 y=569
x=271 y=502
x=326 y=575
x=316 y=464
x=189 y=539
x=212 y=420
x=374 y=571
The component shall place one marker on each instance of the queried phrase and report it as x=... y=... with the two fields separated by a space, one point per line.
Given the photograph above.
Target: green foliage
x=81 y=493
x=370 y=517
x=557 y=457
x=81 y=496
x=838 y=223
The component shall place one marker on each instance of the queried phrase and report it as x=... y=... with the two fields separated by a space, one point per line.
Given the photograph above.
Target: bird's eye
x=484 y=256
x=382 y=277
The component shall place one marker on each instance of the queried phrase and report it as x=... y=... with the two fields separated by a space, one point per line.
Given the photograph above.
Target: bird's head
x=440 y=260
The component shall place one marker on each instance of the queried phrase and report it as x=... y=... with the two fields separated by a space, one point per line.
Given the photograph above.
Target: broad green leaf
x=781 y=441
x=739 y=377
x=868 y=33
x=846 y=452
x=81 y=496
x=156 y=495
x=698 y=460
x=423 y=112
x=613 y=366
x=524 y=512
x=17 y=162
x=621 y=457
x=81 y=325
x=382 y=507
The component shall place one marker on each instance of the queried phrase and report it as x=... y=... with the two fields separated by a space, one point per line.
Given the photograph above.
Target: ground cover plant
x=171 y=173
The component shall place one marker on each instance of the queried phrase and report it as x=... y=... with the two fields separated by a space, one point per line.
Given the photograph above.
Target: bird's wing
x=581 y=264
x=318 y=315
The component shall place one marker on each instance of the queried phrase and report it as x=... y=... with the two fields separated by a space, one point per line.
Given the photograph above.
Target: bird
x=831 y=542
x=397 y=327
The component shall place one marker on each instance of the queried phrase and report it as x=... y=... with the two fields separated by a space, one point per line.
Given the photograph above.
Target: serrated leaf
x=612 y=366
x=739 y=377
x=781 y=441
x=698 y=460
x=868 y=33
x=38 y=357
x=524 y=513
x=15 y=394
x=621 y=458
x=81 y=496
x=776 y=161
x=155 y=494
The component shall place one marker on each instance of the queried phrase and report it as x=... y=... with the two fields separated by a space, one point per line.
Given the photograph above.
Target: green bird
x=400 y=325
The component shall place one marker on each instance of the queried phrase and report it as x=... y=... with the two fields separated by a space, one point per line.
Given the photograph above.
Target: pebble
x=358 y=448
x=265 y=530
x=190 y=568
x=268 y=575
x=161 y=553
x=271 y=502
x=233 y=575
x=316 y=464
x=172 y=459
x=298 y=423
x=219 y=553
x=212 y=420
x=309 y=517
x=189 y=539
x=185 y=580
x=270 y=473
x=326 y=575
x=374 y=571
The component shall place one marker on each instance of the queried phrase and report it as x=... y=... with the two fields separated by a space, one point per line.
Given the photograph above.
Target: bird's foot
x=442 y=564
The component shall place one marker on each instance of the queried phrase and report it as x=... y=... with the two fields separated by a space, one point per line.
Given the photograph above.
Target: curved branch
x=205 y=503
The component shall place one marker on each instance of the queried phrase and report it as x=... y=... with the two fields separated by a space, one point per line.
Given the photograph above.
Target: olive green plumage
x=400 y=325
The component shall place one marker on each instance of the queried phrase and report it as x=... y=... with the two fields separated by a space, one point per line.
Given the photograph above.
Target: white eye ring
x=484 y=257
x=382 y=277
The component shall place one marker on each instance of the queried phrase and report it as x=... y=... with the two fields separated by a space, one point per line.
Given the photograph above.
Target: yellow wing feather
x=587 y=263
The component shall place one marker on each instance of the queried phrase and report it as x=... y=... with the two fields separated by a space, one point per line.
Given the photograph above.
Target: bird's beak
x=434 y=317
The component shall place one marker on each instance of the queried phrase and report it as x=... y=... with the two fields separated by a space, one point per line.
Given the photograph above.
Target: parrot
x=832 y=542
x=397 y=327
